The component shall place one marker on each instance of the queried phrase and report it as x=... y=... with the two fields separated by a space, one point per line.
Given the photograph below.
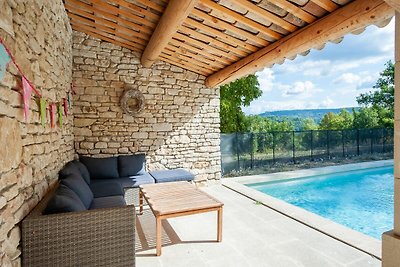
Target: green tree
x=234 y=96
x=332 y=121
x=366 y=118
x=381 y=100
x=309 y=124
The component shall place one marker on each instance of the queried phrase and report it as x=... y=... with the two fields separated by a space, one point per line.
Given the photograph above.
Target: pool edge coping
x=335 y=230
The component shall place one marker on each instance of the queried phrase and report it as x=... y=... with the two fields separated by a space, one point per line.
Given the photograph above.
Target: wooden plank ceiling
x=215 y=34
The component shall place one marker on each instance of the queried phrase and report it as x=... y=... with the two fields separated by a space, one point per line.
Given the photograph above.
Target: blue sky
x=329 y=78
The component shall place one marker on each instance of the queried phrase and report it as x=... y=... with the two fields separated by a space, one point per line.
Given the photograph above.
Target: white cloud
x=347 y=78
x=300 y=89
x=266 y=79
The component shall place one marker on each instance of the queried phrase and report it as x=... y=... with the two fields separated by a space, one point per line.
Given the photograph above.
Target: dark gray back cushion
x=69 y=168
x=101 y=168
x=132 y=165
x=84 y=171
x=80 y=187
x=64 y=200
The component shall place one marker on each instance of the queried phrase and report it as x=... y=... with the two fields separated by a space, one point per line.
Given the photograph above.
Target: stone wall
x=179 y=126
x=39 y=35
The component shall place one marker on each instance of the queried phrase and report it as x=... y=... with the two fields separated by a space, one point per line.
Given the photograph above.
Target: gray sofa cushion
x=84 y=171
x=132 y=181
x=80 y=187
x=64 y=200
x=108 y=202
x=164 y=176
x=132 y=165
x=101 y=168
x=105 y=188
x=69 y=168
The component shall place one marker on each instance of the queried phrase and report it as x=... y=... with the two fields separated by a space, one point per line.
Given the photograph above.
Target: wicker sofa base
x=100 y=237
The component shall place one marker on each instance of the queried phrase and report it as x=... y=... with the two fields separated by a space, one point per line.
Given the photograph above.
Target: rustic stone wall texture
x=39 y=35
x=178 y=128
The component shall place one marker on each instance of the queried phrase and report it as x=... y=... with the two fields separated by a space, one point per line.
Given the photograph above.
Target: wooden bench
x=177 y=199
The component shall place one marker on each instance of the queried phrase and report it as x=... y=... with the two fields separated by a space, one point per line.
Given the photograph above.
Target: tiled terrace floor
x=253 y=235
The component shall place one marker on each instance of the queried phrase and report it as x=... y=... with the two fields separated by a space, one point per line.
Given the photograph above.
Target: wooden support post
x=355 y=15
x=158 y=235
x=391 y=239
x=173 y=17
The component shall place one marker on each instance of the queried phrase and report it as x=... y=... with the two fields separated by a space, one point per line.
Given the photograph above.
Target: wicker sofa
x=93 y=237
x=87 y=219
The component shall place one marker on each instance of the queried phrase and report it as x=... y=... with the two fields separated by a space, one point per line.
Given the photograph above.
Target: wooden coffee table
x=175 y=199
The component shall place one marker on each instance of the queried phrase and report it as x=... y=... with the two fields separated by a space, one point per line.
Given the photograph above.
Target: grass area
x=290 y=166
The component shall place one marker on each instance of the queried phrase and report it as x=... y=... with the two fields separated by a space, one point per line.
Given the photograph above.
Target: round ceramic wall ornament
x=132 y=101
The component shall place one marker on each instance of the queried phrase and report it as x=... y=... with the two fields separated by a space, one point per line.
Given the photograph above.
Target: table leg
x=158 y=236
x=140 y=202
x=219 y=231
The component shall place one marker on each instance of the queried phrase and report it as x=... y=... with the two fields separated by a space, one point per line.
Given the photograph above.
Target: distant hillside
x=316 y=114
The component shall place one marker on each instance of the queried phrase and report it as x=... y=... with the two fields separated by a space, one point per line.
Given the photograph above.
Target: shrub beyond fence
x=251 y=150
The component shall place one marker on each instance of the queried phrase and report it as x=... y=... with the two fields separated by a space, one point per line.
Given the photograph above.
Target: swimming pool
x=361 y=200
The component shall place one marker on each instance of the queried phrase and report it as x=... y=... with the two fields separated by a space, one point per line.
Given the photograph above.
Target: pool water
x=361 y=200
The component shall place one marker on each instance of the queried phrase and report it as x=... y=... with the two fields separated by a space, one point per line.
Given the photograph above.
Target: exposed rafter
x=394 y=3
x=356 y=15
x=173 y=17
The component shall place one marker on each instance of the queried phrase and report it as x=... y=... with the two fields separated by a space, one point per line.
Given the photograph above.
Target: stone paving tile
x=253 y=235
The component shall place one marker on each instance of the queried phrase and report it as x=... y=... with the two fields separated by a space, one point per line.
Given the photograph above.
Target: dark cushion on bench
x=108 y=202
x=101 y=168
x=105 y=188
x=84 y=171
x=132 y=165
x=64 y=200
x=132 y=181
x=164 y=176
x=69 y=168
x=80 y=187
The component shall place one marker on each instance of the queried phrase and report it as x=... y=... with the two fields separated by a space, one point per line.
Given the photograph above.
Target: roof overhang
x=226 y=39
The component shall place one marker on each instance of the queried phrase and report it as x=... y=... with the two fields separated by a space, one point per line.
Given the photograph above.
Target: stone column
x=391 y=239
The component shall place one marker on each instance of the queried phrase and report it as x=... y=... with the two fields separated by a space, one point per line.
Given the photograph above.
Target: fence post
x=371 y=133
x=294 y=148
x=273 y=147
x=237 y=151
x=383 y=140
x=343 y=144
x=358 y=142
x=327 y=143
x=311 y=145
x=252 y=150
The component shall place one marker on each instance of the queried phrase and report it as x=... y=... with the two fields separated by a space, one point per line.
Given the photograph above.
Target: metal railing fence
x=251 y=150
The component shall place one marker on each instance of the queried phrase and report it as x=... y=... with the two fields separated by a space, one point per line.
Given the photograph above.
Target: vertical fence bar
x=371 y=133
x=383 y=140
x=237 y=151
x=293 y=148
x=358 y=142
x=311 y=145
x=327 y=143
x=343 y=154
x=252 y=151
x=273 y=147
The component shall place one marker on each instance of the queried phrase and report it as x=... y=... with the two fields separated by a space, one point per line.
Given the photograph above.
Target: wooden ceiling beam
x=296 y=11
x=225 y=25
x=263 y=13
x=242 y=19
x=394 y=3
x=225 y=37
x=139 y=37
x=221 y=61
x=355 y=15
x=108 y=15
x=173 y=17
x=328 y=5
